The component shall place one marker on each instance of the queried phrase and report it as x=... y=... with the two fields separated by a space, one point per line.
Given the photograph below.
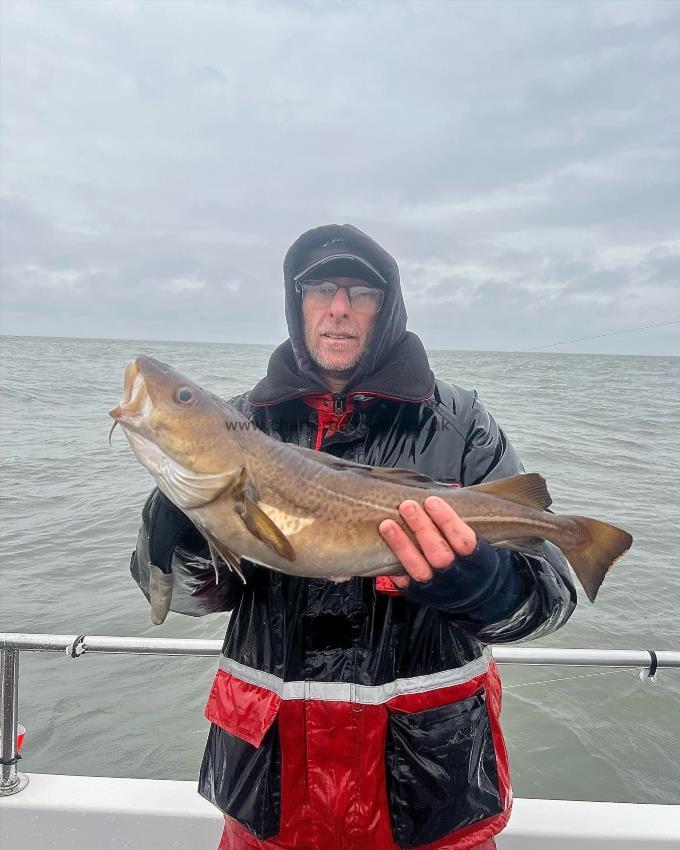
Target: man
x=363 y=715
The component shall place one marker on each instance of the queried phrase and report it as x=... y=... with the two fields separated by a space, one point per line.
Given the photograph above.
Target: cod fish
x=307 y=513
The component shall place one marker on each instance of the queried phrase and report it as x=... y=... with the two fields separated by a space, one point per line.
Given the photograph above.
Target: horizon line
x=536 y=350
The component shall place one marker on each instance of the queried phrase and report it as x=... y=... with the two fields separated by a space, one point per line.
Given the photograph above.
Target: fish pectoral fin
x=259 y=525
x=256 y=520
x=526 y=545
x=529 y=490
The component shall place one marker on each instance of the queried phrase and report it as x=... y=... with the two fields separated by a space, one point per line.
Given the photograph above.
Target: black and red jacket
x=344 y=715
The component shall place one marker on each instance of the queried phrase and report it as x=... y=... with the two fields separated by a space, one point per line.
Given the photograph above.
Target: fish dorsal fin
x=529 y=490
x=405 y=477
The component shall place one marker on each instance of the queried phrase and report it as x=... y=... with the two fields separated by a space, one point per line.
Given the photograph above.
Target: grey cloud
x=519 y=159
x=665 y=267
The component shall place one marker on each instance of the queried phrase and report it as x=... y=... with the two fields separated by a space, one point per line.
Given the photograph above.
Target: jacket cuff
x=167 y=524
x=485 y=585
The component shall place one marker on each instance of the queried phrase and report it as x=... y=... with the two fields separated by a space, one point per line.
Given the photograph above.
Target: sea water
x=603 y=430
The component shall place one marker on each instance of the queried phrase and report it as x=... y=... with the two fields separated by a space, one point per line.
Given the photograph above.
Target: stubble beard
x=342 y=369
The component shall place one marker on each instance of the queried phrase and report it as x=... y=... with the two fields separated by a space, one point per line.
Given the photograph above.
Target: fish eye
x=184 y=395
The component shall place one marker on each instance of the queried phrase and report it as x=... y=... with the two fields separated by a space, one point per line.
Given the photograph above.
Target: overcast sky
x=520 y=160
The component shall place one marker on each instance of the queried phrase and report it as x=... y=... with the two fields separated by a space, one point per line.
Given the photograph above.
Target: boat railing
x=646 y=661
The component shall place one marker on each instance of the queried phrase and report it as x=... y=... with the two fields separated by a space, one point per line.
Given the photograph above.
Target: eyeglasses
x=320 y=293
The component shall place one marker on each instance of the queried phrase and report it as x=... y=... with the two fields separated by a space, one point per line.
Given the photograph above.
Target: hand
x=440 y=532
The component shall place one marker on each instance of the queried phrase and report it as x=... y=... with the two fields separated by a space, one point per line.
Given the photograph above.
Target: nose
x=340 y=305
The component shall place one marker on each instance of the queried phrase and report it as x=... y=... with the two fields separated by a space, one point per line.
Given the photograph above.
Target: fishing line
x=599 y=336
x=567 y=678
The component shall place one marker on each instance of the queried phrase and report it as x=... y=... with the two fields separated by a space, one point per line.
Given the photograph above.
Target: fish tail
x=592 y=548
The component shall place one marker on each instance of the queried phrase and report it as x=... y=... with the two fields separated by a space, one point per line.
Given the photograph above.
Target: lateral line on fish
x=344 y=496
x=320 y=474
x=501 y=519
x=340 y=497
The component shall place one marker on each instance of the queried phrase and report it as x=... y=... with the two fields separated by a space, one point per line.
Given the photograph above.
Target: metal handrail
x=11 y=644
x=111 y=644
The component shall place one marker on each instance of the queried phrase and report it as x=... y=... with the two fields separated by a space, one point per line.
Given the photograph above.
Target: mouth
x=338 y=336
x=137 y=402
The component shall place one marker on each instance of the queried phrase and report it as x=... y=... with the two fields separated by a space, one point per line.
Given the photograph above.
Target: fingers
x=434 y=546
x=440 y=533
x=406 y=551
x=460 y=537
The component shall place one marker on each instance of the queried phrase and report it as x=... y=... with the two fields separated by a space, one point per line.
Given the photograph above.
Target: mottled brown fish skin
x=307 y=513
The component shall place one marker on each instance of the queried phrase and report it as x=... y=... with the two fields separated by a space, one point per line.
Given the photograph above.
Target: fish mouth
x=137 y=403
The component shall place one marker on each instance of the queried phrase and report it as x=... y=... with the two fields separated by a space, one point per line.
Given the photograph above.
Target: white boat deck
x=57 y=812
x=90 y=813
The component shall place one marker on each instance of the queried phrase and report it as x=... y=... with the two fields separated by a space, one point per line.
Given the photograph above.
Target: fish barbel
x=308 y=513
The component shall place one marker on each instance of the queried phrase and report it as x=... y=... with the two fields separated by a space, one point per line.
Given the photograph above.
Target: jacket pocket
x=241 y=769
x=441 y=770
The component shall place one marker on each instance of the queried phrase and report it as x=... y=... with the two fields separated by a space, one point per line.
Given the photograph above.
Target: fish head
x=177 y=431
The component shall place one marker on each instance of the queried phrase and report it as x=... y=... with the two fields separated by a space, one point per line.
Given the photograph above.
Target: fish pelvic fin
x=597 y=548
x=529 y=490
x=231 y=559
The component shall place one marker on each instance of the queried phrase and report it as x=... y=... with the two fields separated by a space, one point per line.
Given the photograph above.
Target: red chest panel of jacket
x=347 y=767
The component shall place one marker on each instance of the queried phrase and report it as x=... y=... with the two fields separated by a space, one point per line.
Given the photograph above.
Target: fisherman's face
x=336 y=335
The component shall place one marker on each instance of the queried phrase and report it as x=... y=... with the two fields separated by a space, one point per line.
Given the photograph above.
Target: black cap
x=338 y=257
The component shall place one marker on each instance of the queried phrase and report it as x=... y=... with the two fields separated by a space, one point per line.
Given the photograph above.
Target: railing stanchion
x=11 y=781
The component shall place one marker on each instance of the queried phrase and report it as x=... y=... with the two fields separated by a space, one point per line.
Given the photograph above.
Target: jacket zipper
x=338 y=409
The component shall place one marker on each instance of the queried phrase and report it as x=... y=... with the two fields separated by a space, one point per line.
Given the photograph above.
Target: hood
x=291 y=370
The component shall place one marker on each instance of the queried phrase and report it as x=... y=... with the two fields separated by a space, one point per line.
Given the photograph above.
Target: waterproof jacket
x=345 y=715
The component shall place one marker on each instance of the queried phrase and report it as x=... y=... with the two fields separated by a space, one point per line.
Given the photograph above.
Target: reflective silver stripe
x=350 y=692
